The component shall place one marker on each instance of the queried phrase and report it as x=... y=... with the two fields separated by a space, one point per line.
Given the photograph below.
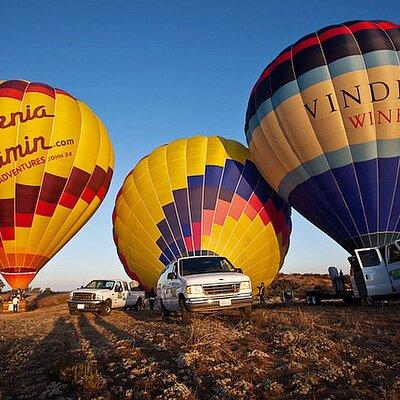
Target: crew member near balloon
x=15 y=302
x=199 y=196
x=261 y=293
x=152 y=298
x=56 y=164
x=323 y=127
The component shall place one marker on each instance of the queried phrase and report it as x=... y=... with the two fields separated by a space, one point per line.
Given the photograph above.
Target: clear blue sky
x=157 y=70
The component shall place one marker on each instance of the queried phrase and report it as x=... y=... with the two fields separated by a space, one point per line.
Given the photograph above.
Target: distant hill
x=300 y=283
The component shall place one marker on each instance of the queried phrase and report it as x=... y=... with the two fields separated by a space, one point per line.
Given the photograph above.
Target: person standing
x=15 y=302
x=261 y=293
x=152 y=298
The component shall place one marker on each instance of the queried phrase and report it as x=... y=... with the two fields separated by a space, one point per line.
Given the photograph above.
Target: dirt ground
x=283 y=352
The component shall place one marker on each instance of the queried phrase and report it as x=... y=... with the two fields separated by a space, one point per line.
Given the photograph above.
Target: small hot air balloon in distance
x=323 y=126
x=199 y=196
x=56 y=164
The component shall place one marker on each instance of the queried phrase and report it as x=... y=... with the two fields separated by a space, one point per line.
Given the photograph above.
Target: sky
x=154 y=71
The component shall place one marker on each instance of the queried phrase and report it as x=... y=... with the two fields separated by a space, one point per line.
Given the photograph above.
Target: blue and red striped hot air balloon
x=323 y=125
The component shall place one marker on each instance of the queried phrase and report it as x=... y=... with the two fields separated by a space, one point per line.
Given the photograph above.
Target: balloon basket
x=9 y=309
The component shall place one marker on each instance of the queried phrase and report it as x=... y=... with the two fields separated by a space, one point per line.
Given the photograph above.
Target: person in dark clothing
x=341 y=276
x=152 y=298
x=261 y=293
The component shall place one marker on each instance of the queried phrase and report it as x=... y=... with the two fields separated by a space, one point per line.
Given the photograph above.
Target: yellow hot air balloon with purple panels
x=198 y=196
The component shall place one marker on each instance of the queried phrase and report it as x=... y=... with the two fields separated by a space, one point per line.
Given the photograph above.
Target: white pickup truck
x=203 y=283
x=102 y=295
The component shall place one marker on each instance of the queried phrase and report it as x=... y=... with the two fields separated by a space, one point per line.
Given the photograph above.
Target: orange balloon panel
x=197 y=196
x=56 y=163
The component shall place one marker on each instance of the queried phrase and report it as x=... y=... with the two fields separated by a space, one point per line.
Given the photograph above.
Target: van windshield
x=205 y=265
x=100 y=285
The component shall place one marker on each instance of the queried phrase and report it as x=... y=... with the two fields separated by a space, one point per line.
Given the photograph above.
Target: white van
x=203 y=283
x=375 y=271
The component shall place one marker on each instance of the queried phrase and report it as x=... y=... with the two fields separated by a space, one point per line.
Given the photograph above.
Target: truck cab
x=375 y=271
x=203 y=283
x=103 y=295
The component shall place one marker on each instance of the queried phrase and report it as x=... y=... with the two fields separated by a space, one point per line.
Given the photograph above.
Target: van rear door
x=376 y=275
x=393 y=264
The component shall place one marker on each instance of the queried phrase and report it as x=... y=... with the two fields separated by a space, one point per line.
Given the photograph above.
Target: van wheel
x=139 y=304
x=165 y=313
x=106 y=308
x=246 y=311
x=185 y=313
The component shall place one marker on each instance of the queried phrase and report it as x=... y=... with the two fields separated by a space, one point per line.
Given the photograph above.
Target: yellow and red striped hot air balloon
x=56 y=163
x=197 y=196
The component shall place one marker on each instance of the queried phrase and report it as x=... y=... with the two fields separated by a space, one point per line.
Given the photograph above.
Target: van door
x=176 y=285
x=393 y=264
x=357 y=279
x=373 y=267
x=167 y=288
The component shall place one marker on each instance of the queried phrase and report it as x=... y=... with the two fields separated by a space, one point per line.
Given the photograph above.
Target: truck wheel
x=185 y=313
x=106 y=308
x=369 y=301
x=165 y=313
x=139 y=304
x=246 y=311
x=313 y=300
x=73 y=312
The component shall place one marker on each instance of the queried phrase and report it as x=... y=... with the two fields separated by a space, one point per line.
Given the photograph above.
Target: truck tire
x=313 y=299
x=185 y=313
x=139 y=304
x=106 y=308
x=246 y=311
x=369 y=301
x=165 y=313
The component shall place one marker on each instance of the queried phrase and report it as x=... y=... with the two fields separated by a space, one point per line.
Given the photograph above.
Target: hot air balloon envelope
x=323 y=125
x=199 y=196
x=56 y=165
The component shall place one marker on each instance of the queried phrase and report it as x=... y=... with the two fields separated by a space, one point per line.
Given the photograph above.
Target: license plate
x=80 y=306
x=225 y=302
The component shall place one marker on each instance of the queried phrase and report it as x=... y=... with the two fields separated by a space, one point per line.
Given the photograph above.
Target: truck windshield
x=100 y=285
x=205 y=265
x=369 y=258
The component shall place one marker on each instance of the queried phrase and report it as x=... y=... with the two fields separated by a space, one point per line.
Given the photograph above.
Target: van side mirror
x=171 y=275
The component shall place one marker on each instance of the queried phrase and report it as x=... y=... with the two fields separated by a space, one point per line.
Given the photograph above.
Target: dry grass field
x=330 y=351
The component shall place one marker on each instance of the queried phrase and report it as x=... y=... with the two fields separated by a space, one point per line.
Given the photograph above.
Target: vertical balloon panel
x=199 y=196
